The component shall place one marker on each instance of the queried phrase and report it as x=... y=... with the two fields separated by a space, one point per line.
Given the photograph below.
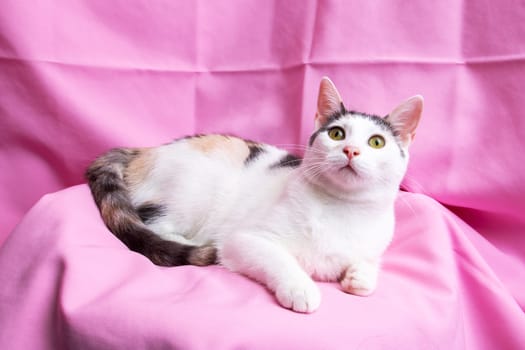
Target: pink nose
x=351 y=151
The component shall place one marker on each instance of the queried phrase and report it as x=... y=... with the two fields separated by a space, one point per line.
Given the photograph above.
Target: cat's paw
x=360 y=279
x=299 y=296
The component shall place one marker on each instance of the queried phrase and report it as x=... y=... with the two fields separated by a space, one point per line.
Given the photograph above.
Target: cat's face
x=356 y=150
x=352 y=151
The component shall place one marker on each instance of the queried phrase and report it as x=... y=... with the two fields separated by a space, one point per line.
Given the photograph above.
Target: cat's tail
x=106 y=181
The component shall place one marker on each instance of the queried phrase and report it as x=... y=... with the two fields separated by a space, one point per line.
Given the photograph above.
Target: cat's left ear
x=405 y=118
x=329 y=102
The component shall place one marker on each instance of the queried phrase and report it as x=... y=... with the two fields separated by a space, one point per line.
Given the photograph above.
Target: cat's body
x=266 y=213
x=235 y=182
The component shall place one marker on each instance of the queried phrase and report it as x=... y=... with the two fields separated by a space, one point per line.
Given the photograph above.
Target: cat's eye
x=336 y=133
x=376 y=141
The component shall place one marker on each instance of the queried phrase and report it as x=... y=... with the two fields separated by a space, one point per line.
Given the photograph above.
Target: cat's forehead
x=361 y=120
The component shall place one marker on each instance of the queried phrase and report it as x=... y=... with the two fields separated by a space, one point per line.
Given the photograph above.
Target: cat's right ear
x=405 y=118
x=329 y=102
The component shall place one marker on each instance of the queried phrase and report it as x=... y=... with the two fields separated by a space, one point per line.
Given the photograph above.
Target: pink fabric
x=76 y=286
x=77 y=78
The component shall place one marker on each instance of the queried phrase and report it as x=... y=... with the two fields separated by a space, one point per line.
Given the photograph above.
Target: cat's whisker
x=311 y=149
x=313 y=170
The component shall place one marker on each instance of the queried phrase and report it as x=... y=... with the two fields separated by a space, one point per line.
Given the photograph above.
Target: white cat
x=260 y=211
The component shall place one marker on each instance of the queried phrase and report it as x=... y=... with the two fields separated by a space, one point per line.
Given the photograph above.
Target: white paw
x=360 y=279
x=298 y=296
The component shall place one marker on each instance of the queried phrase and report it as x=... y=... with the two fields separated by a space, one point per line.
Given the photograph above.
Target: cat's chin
x=344 y=184
x=350 y=177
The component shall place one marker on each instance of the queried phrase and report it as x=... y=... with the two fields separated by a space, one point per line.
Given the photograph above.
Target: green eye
x=376 y=141
x=336 y=133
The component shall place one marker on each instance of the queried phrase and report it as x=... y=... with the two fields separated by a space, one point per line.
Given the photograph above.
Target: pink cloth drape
x=80 y=77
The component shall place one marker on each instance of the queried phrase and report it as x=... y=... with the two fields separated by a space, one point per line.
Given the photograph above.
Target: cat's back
x=210 y=178
x=222 y=162
x=217 y=155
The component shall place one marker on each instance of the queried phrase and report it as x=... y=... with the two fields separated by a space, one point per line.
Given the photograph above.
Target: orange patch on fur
x=139 y=167
x=232 y=147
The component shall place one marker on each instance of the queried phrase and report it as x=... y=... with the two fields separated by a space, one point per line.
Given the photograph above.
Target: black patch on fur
x=314 y=135
x=255 y=151
x=163 y=252
x=196 y=136
x=381 y=122
x=289 y=160
x=149 y=212
x=189 y=137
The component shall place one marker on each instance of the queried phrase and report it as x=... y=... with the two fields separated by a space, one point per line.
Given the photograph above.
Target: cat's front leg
x=268 y=262
x=298 y=293
x=360 y=278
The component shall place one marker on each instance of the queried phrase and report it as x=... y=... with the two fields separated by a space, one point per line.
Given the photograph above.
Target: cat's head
x=350 y=150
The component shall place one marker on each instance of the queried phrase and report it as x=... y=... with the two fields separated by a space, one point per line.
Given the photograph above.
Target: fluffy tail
x=106 y=180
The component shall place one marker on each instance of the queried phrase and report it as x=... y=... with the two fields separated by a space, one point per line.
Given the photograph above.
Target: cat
x=279 y=219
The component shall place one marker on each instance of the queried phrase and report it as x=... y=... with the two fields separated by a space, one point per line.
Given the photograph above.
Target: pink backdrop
x=79 y=77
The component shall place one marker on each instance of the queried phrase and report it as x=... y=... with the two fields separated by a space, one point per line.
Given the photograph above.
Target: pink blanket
x=77 y=78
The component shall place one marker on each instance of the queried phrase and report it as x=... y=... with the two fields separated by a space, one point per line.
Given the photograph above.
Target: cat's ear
x=405 y=118
x=329 y=102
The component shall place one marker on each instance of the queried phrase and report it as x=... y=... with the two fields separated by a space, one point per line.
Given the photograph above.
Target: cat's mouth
x=349 y=168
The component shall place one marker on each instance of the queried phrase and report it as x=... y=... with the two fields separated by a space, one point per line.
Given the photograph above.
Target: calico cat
x=261 y=211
